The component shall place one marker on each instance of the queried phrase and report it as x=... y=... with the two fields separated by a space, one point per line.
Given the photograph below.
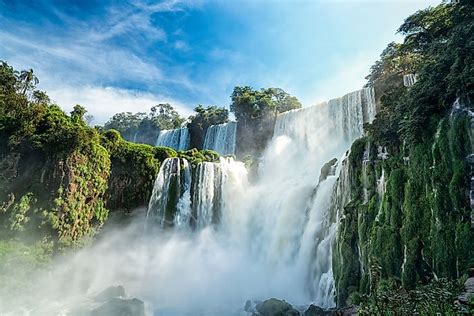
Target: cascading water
x=274 y=237
x=135 y=136
x=221 y=138
x=365 y=165
x=174 y=138
x=170 y=199
x=179 y=201
x=409 y=80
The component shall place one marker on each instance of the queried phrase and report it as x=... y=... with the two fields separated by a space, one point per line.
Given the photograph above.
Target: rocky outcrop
x=407 y=219
x=467 y=297
x=275 y=307
x=329 y=169
x=110 y=293
x=120 y=307
x=314 y=310
x=54 y=196
x=112 y=301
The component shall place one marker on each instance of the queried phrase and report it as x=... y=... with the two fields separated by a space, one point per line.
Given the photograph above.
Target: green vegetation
x=53 y=168
x=255 y=112
x=200 y=122
x=431 y=299
x=144 y=128
x=133 y=171
x=393 y=244
x=59 y=177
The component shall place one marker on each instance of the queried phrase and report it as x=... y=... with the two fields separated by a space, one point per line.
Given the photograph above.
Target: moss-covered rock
x=133 y=171
x=415 y=223
x=275 y=307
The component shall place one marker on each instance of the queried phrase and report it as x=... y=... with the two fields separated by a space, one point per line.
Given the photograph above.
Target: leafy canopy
x=248 y=103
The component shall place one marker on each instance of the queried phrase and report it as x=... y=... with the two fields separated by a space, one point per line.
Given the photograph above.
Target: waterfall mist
x=231 y=240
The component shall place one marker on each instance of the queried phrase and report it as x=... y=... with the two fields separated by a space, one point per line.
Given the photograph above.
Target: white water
x=281 y=228
x=230 y=240
x=409 y=80
x=135 y=135
x=221 y=138
x=174 y=138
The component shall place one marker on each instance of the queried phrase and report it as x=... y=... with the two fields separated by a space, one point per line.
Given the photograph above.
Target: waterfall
x=365 y=165
x=381 y=188
x=207 y=193
x=183 y=209
x=409 y=80
x=135 y=135
x=221 y=138
x=168 y=193
x=179 y=201
x=272 y=237
x=174 y=138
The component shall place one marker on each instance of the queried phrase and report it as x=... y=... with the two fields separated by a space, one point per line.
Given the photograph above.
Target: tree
x=256 y=111
x=248 y=103
x=200 y=122
x=77 y=114
x=284 y=102
x=165 y=116
x=125 y=121
x=41 y=97
x=27 y=80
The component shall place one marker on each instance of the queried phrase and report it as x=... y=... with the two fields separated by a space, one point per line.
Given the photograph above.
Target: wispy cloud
x=102 y=103
x=191 y=52
x=82 y=56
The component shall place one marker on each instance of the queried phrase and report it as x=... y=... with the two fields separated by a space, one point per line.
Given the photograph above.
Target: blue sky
x=114 y=56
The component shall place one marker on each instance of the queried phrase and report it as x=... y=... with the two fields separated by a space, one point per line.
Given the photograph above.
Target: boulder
x=348 y=311
x=466 y=297
x=314 y=310
x=329 y=169
x=110 y=293
x=120 y=307
x=275 y=307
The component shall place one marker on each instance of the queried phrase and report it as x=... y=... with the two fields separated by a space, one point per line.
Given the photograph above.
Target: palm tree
x=27 y=80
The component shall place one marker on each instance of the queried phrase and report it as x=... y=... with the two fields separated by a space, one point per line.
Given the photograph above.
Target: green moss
x=195 y=156
x=133 y=171
x=421 y=226
x=434 y=298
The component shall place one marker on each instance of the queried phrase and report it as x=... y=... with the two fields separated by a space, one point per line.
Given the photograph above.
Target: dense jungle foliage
x=405 y=239
x=254 y=110
x=408 y=223
x=59 y=178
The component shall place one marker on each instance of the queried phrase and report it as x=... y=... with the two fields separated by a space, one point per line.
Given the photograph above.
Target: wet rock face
x=275 y=307
x=112 y=301
x=110 y=293
x=328 y=169
x=314 y=310
x=120 y=307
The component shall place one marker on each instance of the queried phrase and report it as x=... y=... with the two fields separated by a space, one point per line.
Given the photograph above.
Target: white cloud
x=104 y=102
x=181 y=45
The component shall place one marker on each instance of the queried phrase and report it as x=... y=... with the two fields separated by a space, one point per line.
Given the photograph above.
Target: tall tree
x=165 y=116
x=202 y=119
